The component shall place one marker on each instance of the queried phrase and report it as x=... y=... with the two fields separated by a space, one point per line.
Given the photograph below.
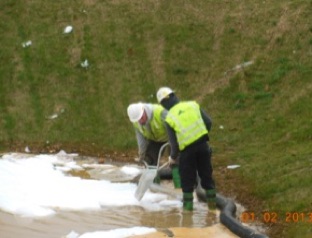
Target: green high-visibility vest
x=186 y=120
x=155 y=130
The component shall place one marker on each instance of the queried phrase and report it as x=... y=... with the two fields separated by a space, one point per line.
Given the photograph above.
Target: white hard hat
x=163 y=92
x=135 y=111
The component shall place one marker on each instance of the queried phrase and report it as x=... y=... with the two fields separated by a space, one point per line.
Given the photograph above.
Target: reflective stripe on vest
x=155 y=130
x=186 y=120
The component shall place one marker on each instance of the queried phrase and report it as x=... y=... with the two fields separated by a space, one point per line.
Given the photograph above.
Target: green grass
x=134 y=47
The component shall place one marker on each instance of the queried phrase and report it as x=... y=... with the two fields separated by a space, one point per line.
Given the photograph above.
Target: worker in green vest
x=149 y=125
x=188 y=127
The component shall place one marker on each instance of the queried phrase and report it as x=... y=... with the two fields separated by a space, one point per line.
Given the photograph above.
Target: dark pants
x=196 y=159
x=152 y=152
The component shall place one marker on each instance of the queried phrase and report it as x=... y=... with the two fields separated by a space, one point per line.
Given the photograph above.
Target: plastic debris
x=240 y=66
x=56 y=114
x=26 y=44
x=243 y=65
x=234 y=166
x=221 y=127
x=53 y=116
x=84 y=64
x=68 y=29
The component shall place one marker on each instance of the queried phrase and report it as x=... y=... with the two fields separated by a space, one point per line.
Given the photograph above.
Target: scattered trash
x=234 y=166
x=221 y=127
x=68 y=29
x=26 y=44
x=240 y=66
x=243 y=65
x=84 y=64
x=56 y=114
x=53 y=116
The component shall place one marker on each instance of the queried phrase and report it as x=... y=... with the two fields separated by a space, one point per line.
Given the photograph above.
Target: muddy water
x=64 y=222
x=108 y=218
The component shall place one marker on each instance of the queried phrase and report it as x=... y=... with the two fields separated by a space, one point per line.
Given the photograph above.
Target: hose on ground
x=227 y=208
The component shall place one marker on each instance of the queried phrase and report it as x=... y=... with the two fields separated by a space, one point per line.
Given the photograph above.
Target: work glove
x=171 y=161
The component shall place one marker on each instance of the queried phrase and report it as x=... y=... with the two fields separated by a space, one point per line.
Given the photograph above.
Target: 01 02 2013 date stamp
x=276 y=217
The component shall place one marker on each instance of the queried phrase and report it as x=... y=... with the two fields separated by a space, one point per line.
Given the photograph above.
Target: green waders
x=176 y=176
x=211 y=199
x=188 y=201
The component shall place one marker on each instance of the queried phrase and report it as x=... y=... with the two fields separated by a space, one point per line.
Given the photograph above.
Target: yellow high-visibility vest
x=186 y=120
x=155 y=130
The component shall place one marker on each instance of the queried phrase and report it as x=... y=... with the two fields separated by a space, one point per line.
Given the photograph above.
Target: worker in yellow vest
x=149 y=125
x=188 y=127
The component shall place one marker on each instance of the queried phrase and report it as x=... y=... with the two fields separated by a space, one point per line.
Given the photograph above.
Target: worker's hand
x=171 y=161
x=137 y=159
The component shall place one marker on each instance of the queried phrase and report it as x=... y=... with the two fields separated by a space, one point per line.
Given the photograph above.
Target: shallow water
x=63 y=222
x=108 y=218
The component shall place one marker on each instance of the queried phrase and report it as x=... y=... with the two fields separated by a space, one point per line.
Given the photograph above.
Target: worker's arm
x=174 y=152
x=163 y=115
x=207 y=120
x=142 y=144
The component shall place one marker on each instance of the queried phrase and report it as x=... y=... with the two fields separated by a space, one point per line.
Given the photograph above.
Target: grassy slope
x=136 y=46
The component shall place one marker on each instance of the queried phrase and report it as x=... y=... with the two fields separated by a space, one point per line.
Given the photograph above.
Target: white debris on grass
x=56 y=114
x=234 y=166
x=85 y=64
x=240 y=66
x=243 y=65
x=221 y=127
x=27 y=43
x=53 y=116
x=68 y=29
